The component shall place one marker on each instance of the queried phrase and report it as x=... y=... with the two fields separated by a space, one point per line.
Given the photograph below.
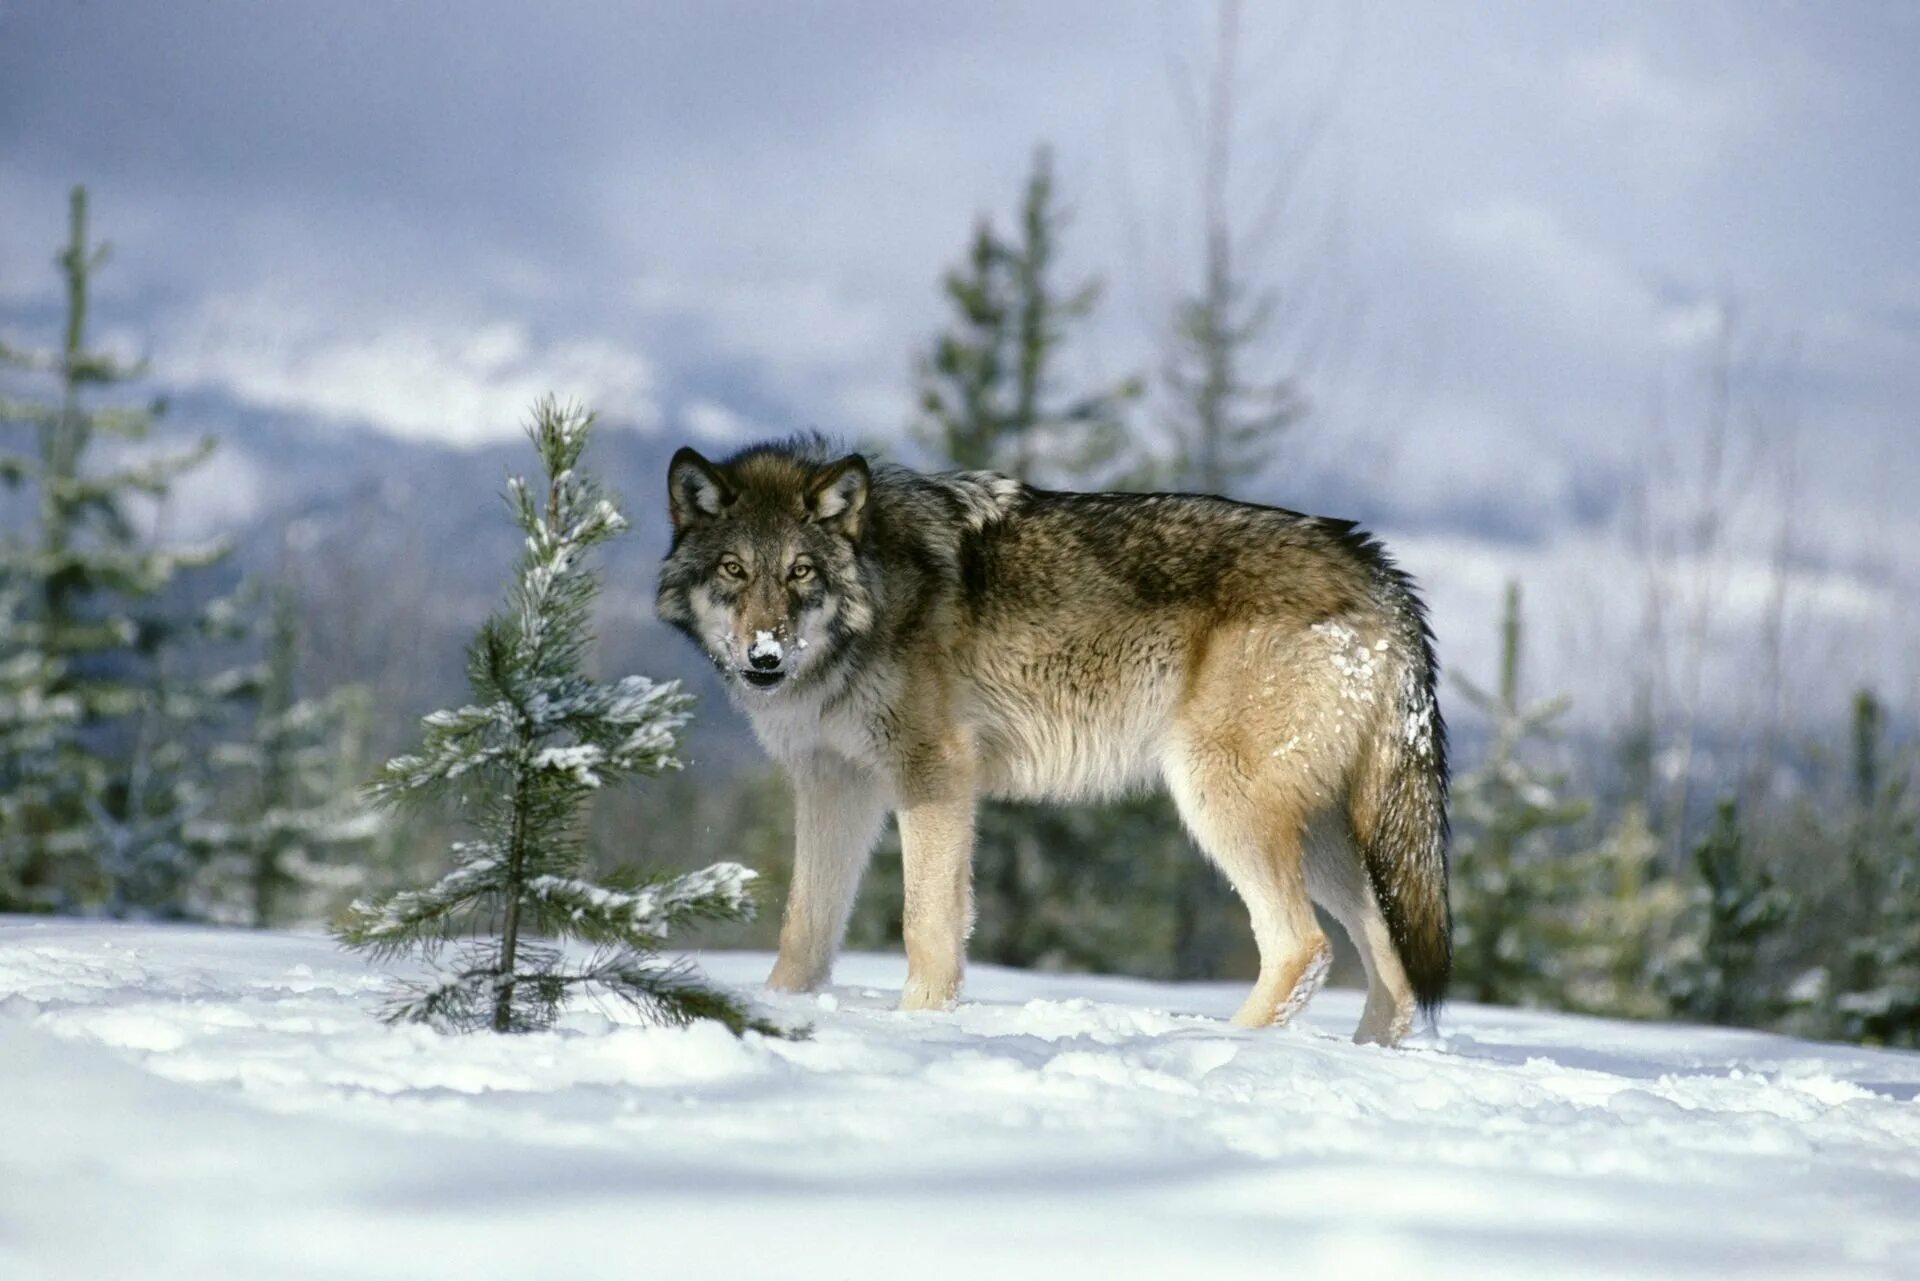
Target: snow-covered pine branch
x=420 y=918
x=646 y=916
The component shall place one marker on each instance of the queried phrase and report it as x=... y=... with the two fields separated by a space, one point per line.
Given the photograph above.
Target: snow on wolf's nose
x=766 y=652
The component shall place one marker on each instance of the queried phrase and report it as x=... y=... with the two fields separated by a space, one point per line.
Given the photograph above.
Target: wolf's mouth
x=762 y=680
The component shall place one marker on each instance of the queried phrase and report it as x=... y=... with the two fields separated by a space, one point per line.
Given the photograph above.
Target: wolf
x=913 y=642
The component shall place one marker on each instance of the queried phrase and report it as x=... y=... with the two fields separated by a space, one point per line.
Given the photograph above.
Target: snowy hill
x=191 y=1103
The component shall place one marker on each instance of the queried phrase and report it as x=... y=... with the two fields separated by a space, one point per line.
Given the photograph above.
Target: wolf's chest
x=792 y=731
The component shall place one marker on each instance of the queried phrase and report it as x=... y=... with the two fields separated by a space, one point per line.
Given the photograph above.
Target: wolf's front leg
x=936 y=847
x=837 y=813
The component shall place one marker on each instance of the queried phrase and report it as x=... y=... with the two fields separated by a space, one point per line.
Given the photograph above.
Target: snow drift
x=198 y=1103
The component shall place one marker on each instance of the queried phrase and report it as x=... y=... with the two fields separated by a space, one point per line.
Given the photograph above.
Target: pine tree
x=1878 y=996
x=988 y=392
x=141 y=826
x=34 y=722
x=1503 y=875
x=92 y=622
x=1224 y=422
x=1721 y=973
x=1614 y=914
x=297 y=822
x=992 y=397
x=521 y=761
x=1882 y=1005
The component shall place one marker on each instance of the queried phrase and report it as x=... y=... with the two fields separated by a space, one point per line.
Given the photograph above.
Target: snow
x=766 y=645
x=650 y=911
x=185 y=1102
x=578 y=760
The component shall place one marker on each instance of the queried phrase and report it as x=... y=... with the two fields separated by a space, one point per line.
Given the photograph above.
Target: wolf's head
x=764 y=571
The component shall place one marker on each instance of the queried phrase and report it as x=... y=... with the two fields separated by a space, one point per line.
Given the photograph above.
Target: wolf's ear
x=695 y=490
x=838 y=495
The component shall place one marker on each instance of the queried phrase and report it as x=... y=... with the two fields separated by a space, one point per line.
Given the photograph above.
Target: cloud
x=1666 y=114
x=1584 y=596
x=711 y=423
x=450 y=378
x=1582 y=285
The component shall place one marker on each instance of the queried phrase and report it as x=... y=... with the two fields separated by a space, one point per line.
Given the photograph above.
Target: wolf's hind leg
x=837 y=814
x=1339 y=883
x=1253 y=836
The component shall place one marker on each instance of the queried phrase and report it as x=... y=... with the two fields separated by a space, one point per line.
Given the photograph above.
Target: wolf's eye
x=734 y=569
x=800 y=572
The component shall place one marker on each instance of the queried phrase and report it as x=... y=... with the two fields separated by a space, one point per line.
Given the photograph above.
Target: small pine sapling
x=1503 y=879
x=521 y=761
x=1879 y=990
x=1720 y=975
x=1614 y=914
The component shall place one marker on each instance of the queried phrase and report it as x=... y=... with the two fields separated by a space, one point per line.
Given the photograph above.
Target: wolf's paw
x=795 y=978
x=1384 y=1023
x=1279 y=995
x=929 y=994
x=1260 y=1010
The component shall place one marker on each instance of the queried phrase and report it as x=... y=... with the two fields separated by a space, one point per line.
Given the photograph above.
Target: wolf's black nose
x=764 y=661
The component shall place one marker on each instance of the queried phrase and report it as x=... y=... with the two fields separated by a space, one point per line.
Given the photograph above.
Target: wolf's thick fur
x=913 y=642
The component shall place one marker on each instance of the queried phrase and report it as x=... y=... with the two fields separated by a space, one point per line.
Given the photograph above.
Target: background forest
x=1683 y=785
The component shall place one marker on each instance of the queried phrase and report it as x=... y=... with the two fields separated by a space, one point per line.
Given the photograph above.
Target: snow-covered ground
x=195 y=1103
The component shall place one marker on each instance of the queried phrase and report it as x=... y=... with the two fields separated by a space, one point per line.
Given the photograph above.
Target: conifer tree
x=1224 y=422
x=1224 y=419
x=1882 y=1005
x=1223 y=408
x=1049 y=883
x=141 y=825
x=297 y=823
x=91 y=622
x=988 y=389
x=521 y=760
x=1503 y=881
x=1720 y=974
x=1614 y=915
x=34 y=722
x=1878 y=997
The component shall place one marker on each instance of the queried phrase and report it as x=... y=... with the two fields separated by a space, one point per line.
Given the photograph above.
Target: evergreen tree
x=1224 y=421
x=1504 y=891
x=1615 y=915
x=297 y=822
x=1878 y=997
x=140 y=825
x=1051 y=884
x=1721 y=974
x=522 y=760
x=1882 y=1004
x=91 y=624
x=34 y=722
x=988 y=392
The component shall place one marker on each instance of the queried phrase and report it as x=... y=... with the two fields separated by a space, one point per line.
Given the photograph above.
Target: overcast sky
x=1519 y=234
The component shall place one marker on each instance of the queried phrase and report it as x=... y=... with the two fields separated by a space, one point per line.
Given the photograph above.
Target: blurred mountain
x=400 y=547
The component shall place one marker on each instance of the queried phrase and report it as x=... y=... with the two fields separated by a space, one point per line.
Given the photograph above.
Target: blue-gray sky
x=1522 y=231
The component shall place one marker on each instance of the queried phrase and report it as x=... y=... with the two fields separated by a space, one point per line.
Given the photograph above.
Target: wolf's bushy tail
x=1398 y=807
